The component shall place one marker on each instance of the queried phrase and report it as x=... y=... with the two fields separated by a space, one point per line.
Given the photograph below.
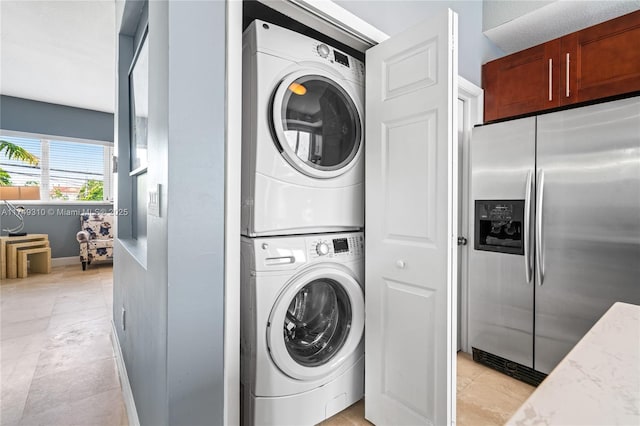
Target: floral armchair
x=96 y=238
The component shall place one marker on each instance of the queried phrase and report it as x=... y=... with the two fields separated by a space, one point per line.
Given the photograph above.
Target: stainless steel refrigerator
x=555 y=203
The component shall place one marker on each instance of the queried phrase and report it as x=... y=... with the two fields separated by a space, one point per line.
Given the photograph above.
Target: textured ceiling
x=59 y=51
x=554 y=20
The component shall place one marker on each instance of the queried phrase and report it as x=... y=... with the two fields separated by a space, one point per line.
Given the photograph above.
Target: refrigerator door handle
x=527 y=228
x=539 y=236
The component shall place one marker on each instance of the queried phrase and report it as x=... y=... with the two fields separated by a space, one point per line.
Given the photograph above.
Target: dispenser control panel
x=499 y=226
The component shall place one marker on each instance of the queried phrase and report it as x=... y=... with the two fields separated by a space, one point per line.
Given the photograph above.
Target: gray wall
x=59 y=221
x=173 y=287
x=195 y=204
x=393 y=17
x=25 y=115
x=144 y=341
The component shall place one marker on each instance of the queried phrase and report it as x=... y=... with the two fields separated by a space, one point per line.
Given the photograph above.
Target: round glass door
x=317 y=124
x=317 y=323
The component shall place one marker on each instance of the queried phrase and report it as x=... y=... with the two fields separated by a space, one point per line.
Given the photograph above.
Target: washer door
x=316 y=322
x=316 y=124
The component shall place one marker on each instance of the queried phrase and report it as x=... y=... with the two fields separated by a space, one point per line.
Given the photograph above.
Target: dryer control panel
x=344 y=63
x=265 y=37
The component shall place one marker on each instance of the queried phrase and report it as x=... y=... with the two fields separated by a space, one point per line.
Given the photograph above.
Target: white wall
x=392 y=17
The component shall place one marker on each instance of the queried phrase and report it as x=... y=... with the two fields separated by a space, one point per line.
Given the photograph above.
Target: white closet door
x=411 y=210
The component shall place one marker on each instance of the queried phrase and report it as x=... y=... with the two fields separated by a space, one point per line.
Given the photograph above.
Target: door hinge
x=114 y=164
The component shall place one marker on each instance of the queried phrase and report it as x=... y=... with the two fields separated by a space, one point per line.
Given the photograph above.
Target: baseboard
x=64 y=261
x=127 y=394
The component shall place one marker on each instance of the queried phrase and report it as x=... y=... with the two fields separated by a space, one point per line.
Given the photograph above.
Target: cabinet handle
x=550 y=79
x=568 y=91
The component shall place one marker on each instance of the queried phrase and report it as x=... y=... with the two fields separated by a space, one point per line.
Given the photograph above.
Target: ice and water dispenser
x=499 y=226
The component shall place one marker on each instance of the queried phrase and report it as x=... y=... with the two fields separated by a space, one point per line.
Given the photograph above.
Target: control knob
x=323 y=50
x=322 y=249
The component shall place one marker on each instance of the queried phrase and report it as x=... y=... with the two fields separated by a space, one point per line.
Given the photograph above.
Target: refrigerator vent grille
x=510 y=368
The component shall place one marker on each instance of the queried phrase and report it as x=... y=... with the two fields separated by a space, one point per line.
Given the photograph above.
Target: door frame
x=342 y=25
x=473 y=112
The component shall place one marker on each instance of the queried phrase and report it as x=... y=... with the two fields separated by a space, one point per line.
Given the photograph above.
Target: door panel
x=590 y=215
x=403 y=366
x=404 y=149
x=411 y=203
x=500 y=296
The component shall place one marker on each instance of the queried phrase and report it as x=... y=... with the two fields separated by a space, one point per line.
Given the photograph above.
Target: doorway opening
x=470 y=111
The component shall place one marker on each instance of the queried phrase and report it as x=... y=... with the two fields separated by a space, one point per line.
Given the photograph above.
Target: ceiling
x=547 y=20
x=63 y=51
x=59 y=51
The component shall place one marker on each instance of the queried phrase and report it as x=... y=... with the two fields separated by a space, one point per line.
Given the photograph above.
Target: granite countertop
x=598 y=382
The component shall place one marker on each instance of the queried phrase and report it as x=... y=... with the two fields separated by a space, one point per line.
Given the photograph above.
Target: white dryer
x=302 y=142
x=302 y=322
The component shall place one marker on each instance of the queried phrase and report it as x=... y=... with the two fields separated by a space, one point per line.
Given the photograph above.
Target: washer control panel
x=291 y=252
x=337 y=246
x=322 y=248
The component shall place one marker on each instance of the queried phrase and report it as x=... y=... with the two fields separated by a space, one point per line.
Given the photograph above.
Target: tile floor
x=58 y=368
x=56 y=360
x=485 y=398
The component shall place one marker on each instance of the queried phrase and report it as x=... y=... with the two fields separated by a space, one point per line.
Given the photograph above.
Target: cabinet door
x=522 y=83
x=601 y=61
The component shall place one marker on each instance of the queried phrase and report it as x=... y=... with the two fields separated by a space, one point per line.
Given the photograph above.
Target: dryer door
x=316 y=323
x=316 y=123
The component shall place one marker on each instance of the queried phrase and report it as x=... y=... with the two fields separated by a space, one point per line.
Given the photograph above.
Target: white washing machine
x=302 y=142
x=302 y=322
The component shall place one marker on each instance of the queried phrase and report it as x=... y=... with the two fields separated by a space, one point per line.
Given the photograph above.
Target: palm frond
x=5 y=178
x=13 y=151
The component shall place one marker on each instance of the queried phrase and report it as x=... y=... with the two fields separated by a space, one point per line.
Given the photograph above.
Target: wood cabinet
x=603 y=60
x=597 y=62
x=522 y=82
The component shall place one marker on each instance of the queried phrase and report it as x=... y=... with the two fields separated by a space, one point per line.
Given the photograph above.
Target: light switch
x=153 y=206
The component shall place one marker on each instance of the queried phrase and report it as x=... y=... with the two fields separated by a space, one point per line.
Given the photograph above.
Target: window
x=66 y=170
x=139 y=104
x=138 y=129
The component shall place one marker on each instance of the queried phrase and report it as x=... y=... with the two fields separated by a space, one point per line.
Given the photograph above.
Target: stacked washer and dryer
x=302 y=298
